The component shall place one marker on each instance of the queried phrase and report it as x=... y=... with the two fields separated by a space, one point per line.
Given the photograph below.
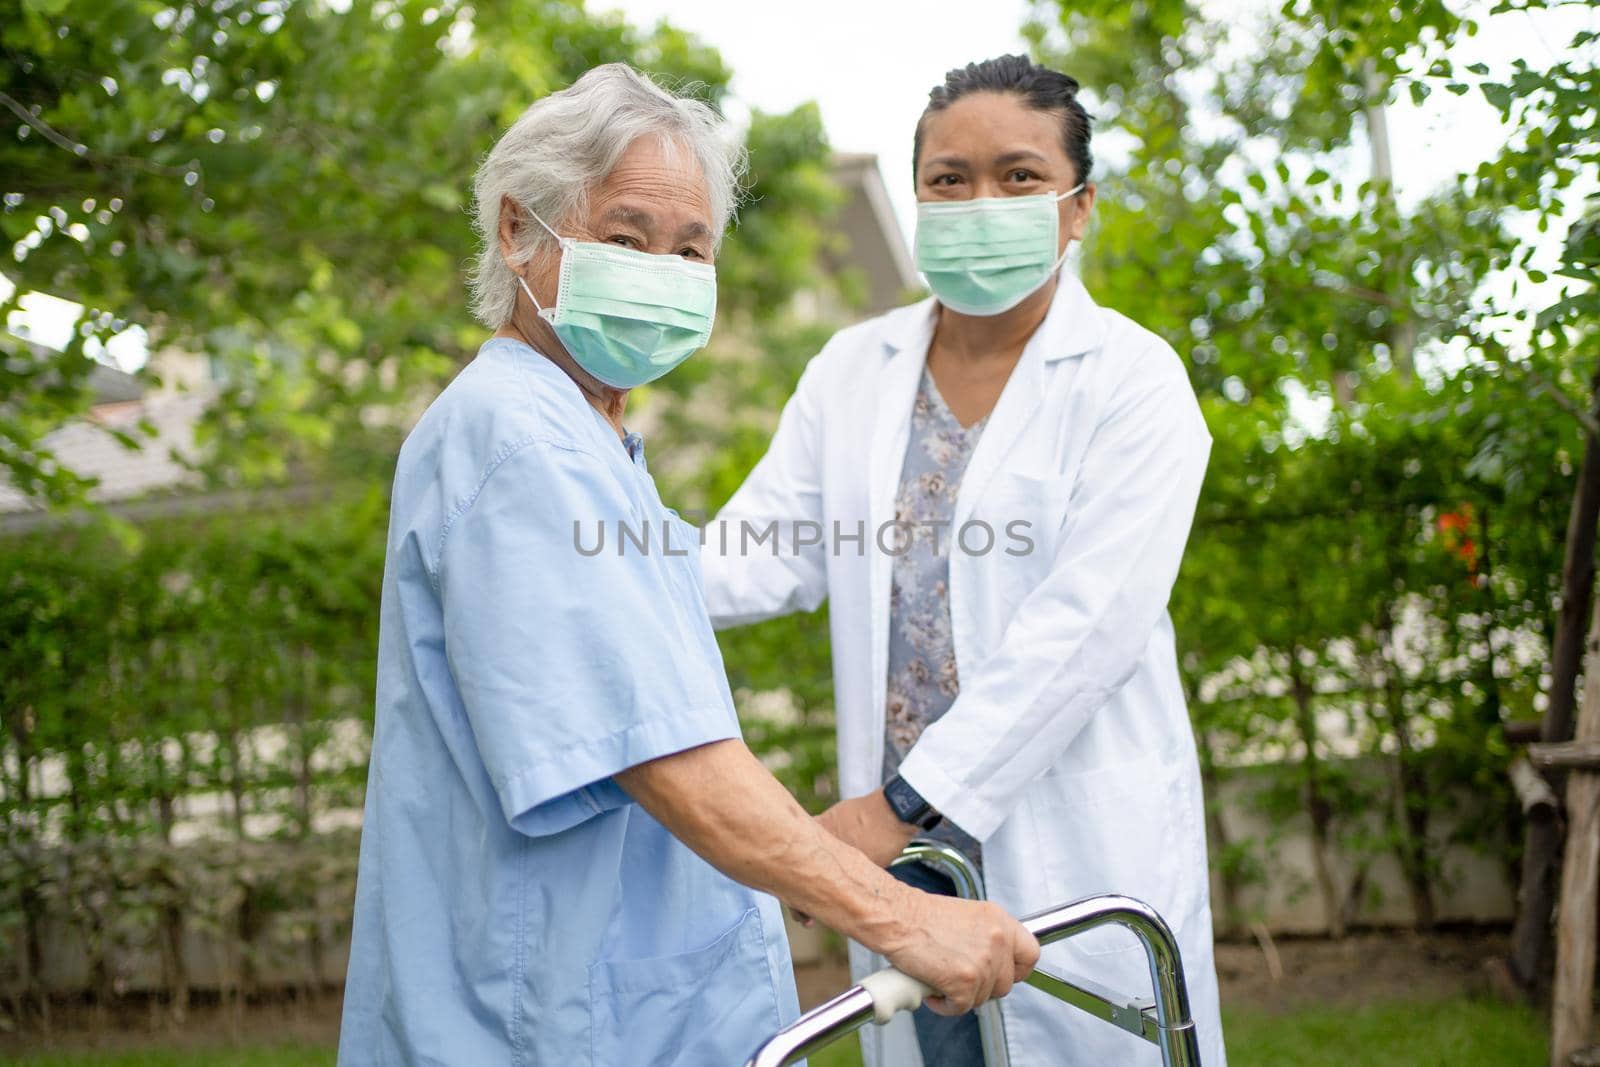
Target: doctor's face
x=992 y=145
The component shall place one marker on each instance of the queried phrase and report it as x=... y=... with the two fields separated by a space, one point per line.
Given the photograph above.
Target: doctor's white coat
x=1068 y=752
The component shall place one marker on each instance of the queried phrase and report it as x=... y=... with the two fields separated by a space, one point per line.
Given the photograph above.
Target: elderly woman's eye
x=691 y=253
x=622 y=239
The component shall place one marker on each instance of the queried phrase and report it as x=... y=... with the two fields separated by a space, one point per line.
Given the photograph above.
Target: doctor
x=993 y=488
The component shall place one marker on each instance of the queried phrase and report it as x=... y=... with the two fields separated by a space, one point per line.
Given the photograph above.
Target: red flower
x=1454 y=535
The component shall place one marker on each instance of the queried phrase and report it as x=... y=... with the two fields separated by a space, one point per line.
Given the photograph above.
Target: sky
x=870 y=63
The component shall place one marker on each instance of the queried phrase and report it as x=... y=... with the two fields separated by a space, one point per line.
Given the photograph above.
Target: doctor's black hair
x=1041 y=88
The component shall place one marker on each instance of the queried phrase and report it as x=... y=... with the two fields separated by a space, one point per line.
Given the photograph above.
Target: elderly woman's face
x=994 y=144
x=655 y=200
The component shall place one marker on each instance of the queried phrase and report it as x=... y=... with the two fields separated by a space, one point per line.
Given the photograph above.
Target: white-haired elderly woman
x=568 y=849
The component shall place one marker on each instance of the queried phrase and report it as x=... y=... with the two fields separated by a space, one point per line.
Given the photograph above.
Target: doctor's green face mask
x=985 y=256
x=628 y=317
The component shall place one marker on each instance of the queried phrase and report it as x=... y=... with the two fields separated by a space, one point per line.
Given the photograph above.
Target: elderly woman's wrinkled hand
x=969 y=951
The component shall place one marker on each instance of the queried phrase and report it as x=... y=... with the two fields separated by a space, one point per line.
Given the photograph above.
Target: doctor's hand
x=870 y=825
x=969 y=950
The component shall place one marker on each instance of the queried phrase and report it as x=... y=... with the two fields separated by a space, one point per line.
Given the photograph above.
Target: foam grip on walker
x=892 y=992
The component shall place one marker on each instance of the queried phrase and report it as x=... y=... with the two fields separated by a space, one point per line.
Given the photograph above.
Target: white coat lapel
x=906 y=351
x=1070 y=328
x=897 y=390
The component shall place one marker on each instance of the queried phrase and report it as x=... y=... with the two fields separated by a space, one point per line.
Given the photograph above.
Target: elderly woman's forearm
x=720 y=801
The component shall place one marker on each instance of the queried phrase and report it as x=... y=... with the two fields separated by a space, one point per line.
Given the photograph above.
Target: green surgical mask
x=628 y=317
x=985 y=256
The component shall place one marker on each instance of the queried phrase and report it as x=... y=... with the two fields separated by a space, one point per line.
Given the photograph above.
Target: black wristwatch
x=908 y=805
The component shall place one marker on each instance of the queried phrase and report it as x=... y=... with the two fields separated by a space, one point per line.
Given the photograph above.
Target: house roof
x=872 y=242
x=113 y=386
x=85 y=446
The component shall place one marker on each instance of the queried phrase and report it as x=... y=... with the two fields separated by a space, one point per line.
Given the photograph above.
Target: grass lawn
x=1444 y=1034
x=1462 y=1030
x=1429 y=1034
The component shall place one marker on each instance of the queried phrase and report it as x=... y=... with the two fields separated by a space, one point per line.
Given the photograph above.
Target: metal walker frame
x=1163 y=1019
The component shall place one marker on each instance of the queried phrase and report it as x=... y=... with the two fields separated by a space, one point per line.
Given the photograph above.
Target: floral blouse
x=922 y=680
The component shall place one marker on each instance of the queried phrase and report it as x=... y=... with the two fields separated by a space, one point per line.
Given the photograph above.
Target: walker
x=1163 y=1020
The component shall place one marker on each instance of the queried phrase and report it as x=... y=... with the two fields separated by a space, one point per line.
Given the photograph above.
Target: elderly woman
x=568 y=849
x=1008 y=472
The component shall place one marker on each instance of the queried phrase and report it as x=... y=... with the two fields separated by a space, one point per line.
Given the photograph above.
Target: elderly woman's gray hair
x=564 y=145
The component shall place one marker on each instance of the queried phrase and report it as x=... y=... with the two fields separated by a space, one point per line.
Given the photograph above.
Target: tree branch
x=80 y=149
x=1590 y=420
x=49 y=134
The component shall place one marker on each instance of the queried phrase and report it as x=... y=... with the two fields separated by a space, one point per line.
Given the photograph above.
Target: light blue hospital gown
x=513 y=905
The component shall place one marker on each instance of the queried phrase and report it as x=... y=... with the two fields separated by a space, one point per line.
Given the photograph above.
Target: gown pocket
x=712 y=1005
x=1111 y=830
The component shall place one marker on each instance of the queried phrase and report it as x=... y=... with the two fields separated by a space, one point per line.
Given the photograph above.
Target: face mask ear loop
x=1062 y=258
x=533 y=299
x=561 y=241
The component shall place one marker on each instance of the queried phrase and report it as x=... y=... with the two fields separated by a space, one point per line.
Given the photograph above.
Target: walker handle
x=1165 y=1022
x=894 y=991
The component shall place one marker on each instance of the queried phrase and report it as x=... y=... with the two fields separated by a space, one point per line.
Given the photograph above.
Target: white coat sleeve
x=763 y=555
x=1080 y=634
